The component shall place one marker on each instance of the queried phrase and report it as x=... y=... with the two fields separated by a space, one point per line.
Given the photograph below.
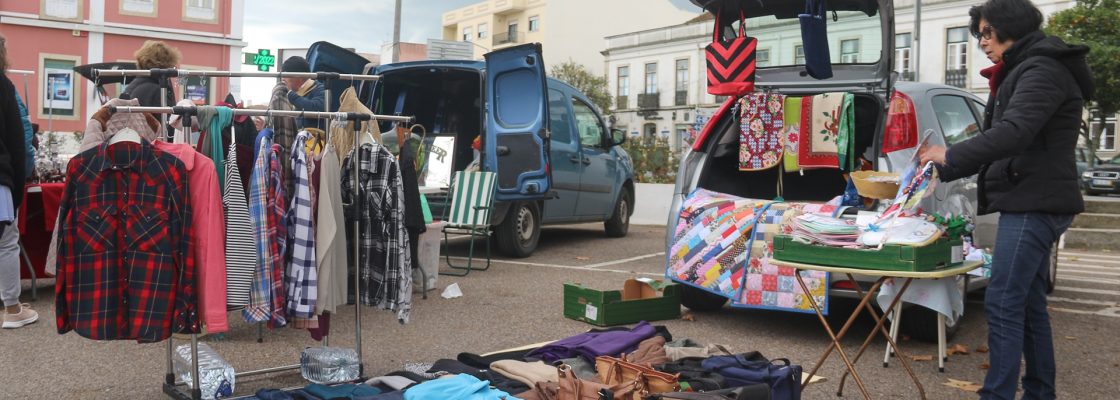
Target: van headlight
x=1087 y=174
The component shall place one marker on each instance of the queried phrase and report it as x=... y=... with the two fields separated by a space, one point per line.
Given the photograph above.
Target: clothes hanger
x=125 y=135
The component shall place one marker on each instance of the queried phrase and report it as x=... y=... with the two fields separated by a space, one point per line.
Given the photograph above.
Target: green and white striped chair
x=472 y=201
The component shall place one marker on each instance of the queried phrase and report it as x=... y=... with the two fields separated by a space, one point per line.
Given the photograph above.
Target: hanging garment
x=104 y=123
x=792 y=130
x=240 y=249
x=214 y=120
x=126 y=264
x=302 y=276
x=760 y=131
x=846 y=140
x=207 y=232
x=284 y=128
x=265 y=291
x=277 y=205
x=820 y=130
x=342 y=134
x=330 y=236
x=384 y=265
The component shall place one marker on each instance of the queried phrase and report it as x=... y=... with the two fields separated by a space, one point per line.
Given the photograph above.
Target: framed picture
x=438 y=162
x=60 y=91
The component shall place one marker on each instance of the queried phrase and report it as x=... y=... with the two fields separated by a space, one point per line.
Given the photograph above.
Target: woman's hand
x=928 y=153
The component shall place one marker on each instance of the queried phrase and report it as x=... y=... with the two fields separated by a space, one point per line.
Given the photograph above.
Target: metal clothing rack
x=170 y=385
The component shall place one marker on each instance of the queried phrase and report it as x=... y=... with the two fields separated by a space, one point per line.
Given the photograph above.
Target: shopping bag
x=731 y=62
x=814 y=39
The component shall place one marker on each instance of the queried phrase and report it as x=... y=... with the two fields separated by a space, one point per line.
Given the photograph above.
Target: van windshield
x=853 y=38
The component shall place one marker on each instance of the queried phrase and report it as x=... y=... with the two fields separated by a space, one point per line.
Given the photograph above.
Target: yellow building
x=568 y=29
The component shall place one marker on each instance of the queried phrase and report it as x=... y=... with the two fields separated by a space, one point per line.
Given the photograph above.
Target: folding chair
x=472 y=201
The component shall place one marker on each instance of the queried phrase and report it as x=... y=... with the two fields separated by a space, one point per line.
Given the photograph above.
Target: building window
x=142 y=8
x=956 y=56
x=200 y=11
x=1108 y=135
x=681 y=96
x=651 y=78
x=482 y=30
x=849 y=51
x=762 y=57
x=59 y=89
x=902 y=43
x=534 y=23
x=799 y=55
x=467 y=34
x=623 y=89
x=66 y=10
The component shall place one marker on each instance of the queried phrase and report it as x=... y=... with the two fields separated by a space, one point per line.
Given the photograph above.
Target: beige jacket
x=103 y=124
x=343 y=137
x=330 y=236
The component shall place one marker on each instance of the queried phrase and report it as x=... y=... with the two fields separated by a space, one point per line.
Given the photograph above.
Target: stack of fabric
x=824 y=230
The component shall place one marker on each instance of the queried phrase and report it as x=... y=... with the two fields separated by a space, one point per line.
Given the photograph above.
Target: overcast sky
x=360 y=24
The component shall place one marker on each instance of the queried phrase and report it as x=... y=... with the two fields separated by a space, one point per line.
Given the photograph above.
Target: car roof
x=918 y=89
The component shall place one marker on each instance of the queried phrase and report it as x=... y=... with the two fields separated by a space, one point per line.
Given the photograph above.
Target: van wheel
x=697 y=299
x=619 y=223
x=520 y=232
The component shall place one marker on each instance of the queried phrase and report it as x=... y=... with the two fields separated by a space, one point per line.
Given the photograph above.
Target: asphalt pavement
x=520 y=301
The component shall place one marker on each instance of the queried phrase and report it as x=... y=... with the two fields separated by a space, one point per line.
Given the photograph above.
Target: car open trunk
x=444 y=100
x=720 y=171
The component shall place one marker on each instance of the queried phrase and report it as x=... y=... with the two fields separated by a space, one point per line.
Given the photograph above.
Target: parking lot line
x=1083 y=301
x=1113 y=312
x=1076 y=271
x=558 y=266
x=1089 y=266
x=1067 y=253
x=625 y=260
x=1080 y=290
x=1089 y=260
x=1090 y=280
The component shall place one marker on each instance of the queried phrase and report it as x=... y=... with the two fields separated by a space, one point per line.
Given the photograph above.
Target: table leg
x=835 y=338
x=879 y=329
x=896 y=321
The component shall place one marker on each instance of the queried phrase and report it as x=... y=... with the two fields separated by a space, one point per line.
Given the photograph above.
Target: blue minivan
x=556 y=160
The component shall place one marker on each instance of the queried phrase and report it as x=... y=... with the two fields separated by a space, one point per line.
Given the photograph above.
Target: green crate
x=892 y=257
x=639 y=300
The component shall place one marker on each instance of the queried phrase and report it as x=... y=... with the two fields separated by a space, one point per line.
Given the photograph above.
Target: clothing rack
x=170 y=385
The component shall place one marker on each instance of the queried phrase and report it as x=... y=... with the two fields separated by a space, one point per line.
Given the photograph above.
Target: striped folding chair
x=472 y=200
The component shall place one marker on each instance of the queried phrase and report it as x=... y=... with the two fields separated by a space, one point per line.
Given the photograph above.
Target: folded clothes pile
x=828 y=231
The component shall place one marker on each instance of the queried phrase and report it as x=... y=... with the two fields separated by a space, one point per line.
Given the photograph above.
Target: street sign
x=263 y=59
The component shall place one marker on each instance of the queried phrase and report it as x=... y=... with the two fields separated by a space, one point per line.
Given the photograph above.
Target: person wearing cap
x=304 y=94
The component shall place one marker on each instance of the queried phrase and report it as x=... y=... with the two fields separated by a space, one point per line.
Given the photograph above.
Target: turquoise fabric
x=215 y=119
x=458 y=387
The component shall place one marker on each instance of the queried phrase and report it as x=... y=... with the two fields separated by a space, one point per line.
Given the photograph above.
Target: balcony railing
x=622 y=102
x=508 y=37
x=681 y=98
x=648 y=101
x=956 y=77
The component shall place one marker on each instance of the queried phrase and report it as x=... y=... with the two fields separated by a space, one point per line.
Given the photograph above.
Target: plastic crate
x=892 y=257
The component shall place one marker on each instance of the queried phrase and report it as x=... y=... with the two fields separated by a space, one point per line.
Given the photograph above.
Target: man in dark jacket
x=1027 y=173
x=304 y=94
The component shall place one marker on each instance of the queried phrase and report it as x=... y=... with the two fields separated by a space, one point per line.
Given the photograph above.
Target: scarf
x=995 y=75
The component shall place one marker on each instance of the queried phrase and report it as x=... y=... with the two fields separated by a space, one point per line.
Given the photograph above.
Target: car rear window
x=853 y=38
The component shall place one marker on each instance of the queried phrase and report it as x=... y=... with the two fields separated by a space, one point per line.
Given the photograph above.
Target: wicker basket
x=875 y=190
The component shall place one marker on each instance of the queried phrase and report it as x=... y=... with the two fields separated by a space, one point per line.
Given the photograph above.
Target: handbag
x=751 y=368
x=731 y=63
x=814 y=39
x=692 y=377
x=753 y=392
x=573 y=388
x=613 y=370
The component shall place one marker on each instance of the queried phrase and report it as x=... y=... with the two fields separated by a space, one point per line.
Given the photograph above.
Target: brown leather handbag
x=573 y=388
x=613 y=370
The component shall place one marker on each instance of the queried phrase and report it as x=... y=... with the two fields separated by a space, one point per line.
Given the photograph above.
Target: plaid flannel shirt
x=279 y=231
x=126 y=269
x=263 y=293
x=385 y=265
x=302 y=274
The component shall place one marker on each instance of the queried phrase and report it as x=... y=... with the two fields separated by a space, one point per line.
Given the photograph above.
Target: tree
x=594 y=87
x=1095 y=23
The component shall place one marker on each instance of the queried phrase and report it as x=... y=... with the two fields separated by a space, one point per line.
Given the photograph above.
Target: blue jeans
x=1018 y=324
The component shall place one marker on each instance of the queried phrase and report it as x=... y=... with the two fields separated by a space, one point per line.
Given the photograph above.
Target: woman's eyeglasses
x=986 y=33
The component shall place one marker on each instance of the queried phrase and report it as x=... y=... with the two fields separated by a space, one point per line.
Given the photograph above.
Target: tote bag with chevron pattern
x=731 y=63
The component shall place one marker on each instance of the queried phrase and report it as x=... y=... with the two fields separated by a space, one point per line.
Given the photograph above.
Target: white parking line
x=1088 y=260
x=1093 y=291
x=1089 y=280
x=572 y=267
x=1113 y=312
x=1088 y=266
x=1083 y=301
x=1067 y=253
x=625 y=260
x=1086 y=272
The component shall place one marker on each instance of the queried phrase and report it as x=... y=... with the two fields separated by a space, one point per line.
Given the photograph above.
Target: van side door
x=600 y=168
x=566 y=167
x=516 y=141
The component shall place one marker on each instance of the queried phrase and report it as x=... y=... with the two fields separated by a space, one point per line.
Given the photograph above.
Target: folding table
x=864 y=304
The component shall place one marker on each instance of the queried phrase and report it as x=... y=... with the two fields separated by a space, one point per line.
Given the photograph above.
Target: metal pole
x=397 y=32
x=263 y=113
x=916 y=46
x=357 y=250
x=234 y=74
x=196 y=391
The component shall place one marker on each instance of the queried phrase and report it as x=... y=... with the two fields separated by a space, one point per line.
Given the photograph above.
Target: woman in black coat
x=1027 y=173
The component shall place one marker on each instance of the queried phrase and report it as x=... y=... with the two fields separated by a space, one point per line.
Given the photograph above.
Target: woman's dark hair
x=3 y=54
x=1010 y=19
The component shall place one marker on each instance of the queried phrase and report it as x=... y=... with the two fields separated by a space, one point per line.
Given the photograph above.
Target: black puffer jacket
x=1025 y=155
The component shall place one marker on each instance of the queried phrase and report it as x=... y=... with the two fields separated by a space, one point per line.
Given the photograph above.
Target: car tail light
x=902 y=124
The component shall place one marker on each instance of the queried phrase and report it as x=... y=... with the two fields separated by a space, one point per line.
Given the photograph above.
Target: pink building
x=50 y=37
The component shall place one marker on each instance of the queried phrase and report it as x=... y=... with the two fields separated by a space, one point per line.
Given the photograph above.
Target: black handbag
x=814 y=39
x=753 y=392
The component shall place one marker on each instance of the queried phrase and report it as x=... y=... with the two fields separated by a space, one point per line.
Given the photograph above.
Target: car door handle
x=577 y=159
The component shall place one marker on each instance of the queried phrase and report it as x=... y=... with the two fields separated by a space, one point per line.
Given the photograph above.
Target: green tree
x=1095 y=23
x=591 y=85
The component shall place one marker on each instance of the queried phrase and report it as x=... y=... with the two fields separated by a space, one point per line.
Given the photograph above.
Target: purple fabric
x=593 y=344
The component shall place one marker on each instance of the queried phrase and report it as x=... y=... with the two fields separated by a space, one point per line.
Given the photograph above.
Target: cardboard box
x=893 y=257
x=640 y=299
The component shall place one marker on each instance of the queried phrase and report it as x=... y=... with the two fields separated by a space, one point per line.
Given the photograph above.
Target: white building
x=658 y=76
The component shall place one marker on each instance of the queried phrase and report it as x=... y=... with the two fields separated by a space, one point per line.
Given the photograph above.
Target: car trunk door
x=516 y=142
x=866 y=24
x=328 y=57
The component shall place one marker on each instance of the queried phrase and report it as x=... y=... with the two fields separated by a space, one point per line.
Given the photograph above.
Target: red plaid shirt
x=125 y=267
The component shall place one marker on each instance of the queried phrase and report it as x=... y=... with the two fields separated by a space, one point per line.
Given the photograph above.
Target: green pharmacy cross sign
x=263 y=59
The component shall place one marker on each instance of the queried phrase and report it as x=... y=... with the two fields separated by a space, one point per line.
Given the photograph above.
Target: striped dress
x=240 y=250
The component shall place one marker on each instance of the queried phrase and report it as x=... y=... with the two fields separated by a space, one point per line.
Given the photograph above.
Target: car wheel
x=697 y=299
x=920 y=323
x=1052 y=274
x=619 y=223
x=520 y=232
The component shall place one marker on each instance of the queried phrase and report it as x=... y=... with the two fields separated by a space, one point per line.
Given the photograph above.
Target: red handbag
x=731 y=63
